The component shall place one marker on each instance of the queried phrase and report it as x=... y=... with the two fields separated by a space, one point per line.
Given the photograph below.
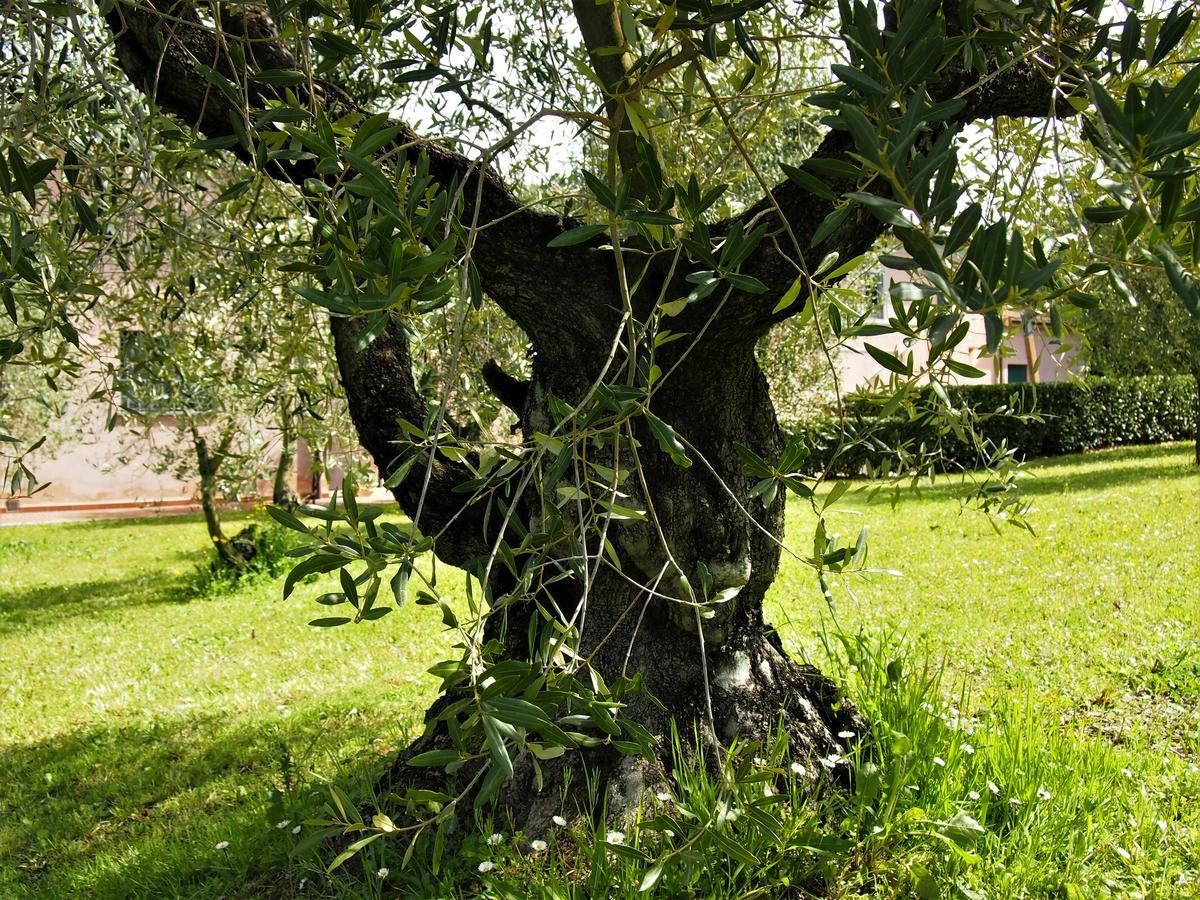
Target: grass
x=142 y=726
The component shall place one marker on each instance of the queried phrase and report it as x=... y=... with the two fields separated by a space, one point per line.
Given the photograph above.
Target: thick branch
x=164 y=49
x=381 y=391
x=1024 y=90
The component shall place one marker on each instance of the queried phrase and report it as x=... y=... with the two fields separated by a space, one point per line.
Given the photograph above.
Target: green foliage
x=264 y=546
x=1027 y=420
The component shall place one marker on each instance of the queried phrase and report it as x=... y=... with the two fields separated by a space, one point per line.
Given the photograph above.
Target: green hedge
x=1035 y=420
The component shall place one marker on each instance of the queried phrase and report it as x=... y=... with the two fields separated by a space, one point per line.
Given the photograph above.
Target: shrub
x=1032 y=420
x=264 y=546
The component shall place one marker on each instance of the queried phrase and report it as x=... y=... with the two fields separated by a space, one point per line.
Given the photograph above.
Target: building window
x=1018 y=373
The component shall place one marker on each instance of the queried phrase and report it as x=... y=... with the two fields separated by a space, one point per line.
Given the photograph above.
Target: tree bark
x=712 y=680
x=209 y=464
x=1197 y=376
x=283 y=491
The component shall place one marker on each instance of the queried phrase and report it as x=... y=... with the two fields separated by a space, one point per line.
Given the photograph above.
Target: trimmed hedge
x=1067 y=417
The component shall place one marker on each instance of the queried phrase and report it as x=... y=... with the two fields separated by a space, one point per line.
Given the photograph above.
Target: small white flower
x=284 y=824
x=296 y=830
x=559 y=821
x=494 y=838
x=1014 y=801
x=1043 y=794
x=759 y=761
x=974 y=795
x=382 y=873
x=668 y=832
x=1128 y=773
x=798 y=769
x=830 y=761
x=486 y=866
x=845 y=734
x=938 y=761
x=993 y=787
x=221 y=845
x=968 y=749
x=768 y=791
x=615 y=837
x=1122 y=852
x=663 y=797
x=537 y=846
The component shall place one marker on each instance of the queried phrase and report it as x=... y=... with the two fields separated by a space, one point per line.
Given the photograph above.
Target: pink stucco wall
x=92 y=469
x=1045 y=358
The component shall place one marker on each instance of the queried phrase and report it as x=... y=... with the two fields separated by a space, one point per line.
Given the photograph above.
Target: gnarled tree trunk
x=722 y=678
x=726 y=676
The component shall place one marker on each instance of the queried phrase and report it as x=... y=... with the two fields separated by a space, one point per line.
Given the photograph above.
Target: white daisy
x=974 y=795
x=663 y=797
x=615 y=837
x=221 y=845
x=798 y=769
x=1043 y=794
x=494 y=838
x=993 y=787
x=537 y=846
x=383 y=872
x=296 y=830
x=845 y=734
x=486 y=866
x=284 y=824
x=559 y=821
x=938 y=761
x=968 y=749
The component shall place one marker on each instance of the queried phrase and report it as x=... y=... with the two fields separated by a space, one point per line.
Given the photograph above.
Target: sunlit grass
x=141 y=726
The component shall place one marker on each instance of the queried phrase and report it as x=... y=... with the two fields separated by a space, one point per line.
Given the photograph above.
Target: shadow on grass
x=139 y=810
x=1118 y=468
x=48 y=604
x=1099 y=470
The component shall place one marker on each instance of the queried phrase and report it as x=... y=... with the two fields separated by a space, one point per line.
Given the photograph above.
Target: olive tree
x=619 y=552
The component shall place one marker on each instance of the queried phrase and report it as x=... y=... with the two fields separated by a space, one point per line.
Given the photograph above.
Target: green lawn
x=141 y=727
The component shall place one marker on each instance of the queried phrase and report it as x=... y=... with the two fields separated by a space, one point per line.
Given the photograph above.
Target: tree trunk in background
x=283 y=493
x=1196 y=372
x=318 y=467
x=209 y=464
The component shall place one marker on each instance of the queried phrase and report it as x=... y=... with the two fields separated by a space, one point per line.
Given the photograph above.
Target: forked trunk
x=721 y=677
